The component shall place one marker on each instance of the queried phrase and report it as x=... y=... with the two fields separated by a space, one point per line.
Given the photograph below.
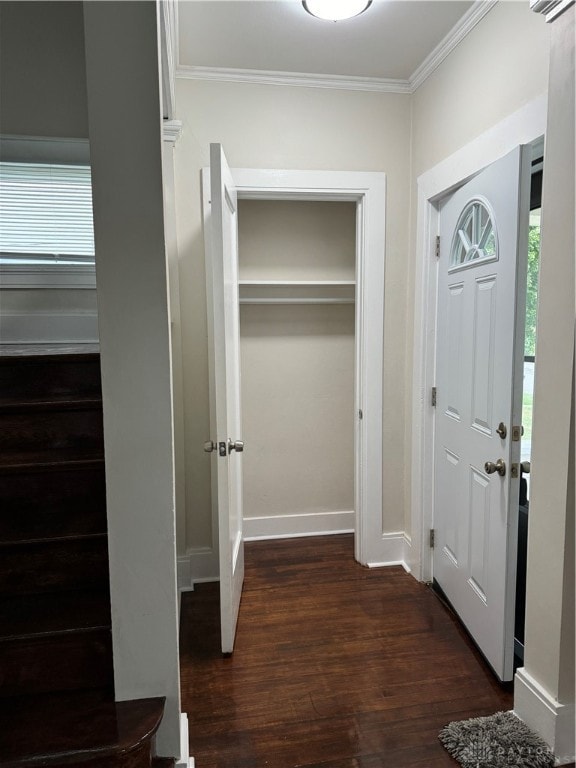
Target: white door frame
x=368 y=191
x=522 y=127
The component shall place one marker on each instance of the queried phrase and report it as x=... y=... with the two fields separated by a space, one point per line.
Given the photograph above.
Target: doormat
x=497 y=741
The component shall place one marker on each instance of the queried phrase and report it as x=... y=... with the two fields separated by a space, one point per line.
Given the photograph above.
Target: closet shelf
x=296 y=291
x=295 y=300
x=296 y=282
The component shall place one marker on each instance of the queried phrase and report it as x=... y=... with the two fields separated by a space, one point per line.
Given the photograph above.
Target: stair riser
x=36 y=505
x=21 y=379
x=38 y=432
x=53 y=566
x=54 y=613
x=79 y=661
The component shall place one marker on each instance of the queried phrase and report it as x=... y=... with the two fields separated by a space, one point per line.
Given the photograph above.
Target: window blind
x=45 y=213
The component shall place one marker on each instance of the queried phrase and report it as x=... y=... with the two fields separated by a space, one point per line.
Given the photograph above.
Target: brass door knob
x=500 y=466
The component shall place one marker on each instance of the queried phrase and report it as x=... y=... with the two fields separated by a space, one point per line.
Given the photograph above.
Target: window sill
x=50 y=276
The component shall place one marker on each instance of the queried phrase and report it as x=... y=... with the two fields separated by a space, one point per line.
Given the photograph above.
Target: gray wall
x=42 y=69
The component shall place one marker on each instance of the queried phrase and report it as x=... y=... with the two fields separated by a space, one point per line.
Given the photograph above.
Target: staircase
x=56 y=675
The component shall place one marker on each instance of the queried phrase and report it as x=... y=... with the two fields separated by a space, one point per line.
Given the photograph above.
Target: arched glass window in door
x=475 y=238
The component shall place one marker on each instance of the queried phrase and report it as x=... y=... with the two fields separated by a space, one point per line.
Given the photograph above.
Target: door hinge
x=432 y=537
x=437 y=250
x=433 y=397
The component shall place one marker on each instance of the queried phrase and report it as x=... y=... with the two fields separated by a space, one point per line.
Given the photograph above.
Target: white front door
x=222 y=276
x=480 y=316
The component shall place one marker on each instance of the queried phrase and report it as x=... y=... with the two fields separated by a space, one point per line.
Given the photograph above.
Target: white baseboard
x=292 y=526
x=48 y=276
x=553 y=721
x=196 y=566
x=185 y=760
x=201 y=564
x=394 y=549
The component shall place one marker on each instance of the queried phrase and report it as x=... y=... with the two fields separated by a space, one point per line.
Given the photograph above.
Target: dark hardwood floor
x=335 y=666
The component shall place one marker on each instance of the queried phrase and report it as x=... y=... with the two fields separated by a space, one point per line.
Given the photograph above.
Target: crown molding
x=298 y=79
x=171 y=130
x=350 y=82
x=458 y=32
x=168 y=54
x=551 y=9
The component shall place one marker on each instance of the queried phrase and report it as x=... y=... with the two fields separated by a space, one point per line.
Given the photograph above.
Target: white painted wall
x=297 y=365
x=293 y=128
x=501 y=65
x=298 y=407
x=279 y=240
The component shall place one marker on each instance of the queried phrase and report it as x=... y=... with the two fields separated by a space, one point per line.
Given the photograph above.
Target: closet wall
x=297 y=271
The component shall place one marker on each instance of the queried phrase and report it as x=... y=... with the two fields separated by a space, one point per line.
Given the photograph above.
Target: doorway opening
x=297 y=282
x=223 y=189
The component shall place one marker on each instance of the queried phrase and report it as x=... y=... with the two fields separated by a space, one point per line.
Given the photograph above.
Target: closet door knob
x=209 y=446
x=236 y=445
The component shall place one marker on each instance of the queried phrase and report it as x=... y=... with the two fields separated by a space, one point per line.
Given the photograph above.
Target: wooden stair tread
x=49 y=538
x=54 y=403
x=53 y=459
x=37 y=615
x=68 y=729
x=52 y=539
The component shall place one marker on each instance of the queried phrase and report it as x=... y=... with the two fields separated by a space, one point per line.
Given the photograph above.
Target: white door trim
x=522 y=127
x=368 y=190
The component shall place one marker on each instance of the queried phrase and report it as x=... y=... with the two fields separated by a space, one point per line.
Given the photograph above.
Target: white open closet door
x=483 y=236
x=221 y=235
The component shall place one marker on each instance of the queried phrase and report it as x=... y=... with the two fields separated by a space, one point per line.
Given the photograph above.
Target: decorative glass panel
x=475 y=236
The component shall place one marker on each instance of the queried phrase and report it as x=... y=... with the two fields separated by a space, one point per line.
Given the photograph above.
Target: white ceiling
x=389 y=41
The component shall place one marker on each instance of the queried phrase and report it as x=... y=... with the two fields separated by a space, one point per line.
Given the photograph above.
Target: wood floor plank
x=335 y=666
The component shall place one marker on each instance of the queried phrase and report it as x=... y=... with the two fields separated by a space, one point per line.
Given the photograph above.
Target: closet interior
x=297 y=340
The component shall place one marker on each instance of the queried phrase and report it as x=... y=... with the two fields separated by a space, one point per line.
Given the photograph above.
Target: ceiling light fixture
x=336 y=10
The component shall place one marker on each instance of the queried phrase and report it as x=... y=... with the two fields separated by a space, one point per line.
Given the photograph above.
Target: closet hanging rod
x=296 y=300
